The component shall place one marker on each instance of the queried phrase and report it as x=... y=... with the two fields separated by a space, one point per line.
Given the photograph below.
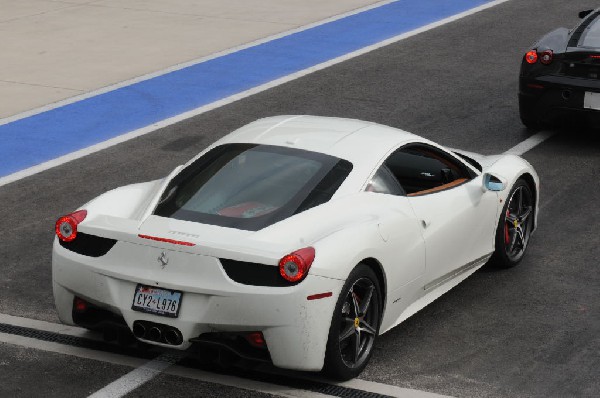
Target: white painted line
x=225 y=101
x=173 y=68
x=196 y=374
x=360 y=384
x=49 y=327
x=134 y=379
x=385 y=389
x=245 y=384
x=124 y=360
x=64 y=349
x=530 y=143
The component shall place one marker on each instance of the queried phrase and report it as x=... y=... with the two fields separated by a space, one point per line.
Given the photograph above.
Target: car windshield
x=248 y=186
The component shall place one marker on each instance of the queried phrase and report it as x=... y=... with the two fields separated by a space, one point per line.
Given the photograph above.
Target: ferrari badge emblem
x=163 y=260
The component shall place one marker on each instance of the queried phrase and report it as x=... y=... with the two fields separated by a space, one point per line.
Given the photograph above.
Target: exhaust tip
x=139 y=330
x=173 y=336
x=154 y=334
x=157 y=332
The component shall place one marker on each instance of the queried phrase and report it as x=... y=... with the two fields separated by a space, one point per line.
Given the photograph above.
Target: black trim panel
x=254 y=274
x=89 y=245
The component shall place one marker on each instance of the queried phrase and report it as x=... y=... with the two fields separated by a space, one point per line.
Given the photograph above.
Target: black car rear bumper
x=544 y=98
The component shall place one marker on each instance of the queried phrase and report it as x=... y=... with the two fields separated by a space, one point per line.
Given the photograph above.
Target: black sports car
x=560 y=74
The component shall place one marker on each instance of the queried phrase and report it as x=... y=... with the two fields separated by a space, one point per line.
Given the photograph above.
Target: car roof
x=350 y=139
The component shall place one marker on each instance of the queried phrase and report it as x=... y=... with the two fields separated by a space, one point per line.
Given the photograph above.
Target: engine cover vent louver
x=253 y=273
x=89 y=245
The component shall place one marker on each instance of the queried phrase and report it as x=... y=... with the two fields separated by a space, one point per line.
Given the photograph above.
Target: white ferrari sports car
x=295 y=240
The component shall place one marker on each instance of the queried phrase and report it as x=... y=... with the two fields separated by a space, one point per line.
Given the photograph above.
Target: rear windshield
x=590 y=35
x=250 y=187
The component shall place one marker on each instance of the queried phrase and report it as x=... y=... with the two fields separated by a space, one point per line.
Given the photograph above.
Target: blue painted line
x=56 y=132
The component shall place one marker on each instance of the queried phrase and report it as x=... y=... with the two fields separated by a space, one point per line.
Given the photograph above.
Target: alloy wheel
x=517 y=225
x=358 y=322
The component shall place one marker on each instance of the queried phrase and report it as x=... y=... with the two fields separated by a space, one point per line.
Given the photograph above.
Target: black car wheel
x=515 y=225
x=354 y=326
x=531 y=125
x=526 y=107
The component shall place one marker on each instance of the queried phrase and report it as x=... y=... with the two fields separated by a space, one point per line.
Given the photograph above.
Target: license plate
x=591 y=100
x=156 y=301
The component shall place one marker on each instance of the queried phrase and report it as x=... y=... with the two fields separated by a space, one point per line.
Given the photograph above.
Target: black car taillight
x=546 y=57
x=531 y=57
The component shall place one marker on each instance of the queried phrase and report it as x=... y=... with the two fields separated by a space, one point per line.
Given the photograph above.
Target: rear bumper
x=544 y=98
x=295 y=329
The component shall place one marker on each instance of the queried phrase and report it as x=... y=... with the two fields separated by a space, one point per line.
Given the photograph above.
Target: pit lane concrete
x=529 y=331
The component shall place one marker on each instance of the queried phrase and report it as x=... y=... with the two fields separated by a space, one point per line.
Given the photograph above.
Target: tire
x=514 y=226
x=532 y=125
x=527 y=114
x=354 y=325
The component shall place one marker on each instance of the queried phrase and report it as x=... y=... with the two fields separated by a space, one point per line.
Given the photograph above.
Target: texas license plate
x=156 y=301
x=591 y=100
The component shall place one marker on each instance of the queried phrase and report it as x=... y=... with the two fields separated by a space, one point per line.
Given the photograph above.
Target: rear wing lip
x=219 y=242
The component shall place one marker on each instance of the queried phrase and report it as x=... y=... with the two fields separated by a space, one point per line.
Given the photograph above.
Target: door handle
x=425 y=223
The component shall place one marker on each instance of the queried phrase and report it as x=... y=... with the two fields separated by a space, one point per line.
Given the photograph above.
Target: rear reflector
x=531 y=85
x=319 y=296
x=175 y=242
x=256 y=339
x=79 y=305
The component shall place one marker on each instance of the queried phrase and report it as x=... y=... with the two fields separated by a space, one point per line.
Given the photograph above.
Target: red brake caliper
x=506 y=237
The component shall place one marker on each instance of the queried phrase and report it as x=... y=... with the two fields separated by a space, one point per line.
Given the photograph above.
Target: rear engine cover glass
x=250 y=187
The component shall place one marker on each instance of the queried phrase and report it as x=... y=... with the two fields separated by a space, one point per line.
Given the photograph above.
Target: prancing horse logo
x=163 y=259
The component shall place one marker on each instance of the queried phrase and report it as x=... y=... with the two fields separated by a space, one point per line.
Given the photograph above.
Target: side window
x=422 y=169
x=383 y=181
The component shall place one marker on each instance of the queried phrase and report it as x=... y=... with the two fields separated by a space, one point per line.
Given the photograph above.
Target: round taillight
x=546 y=57
x=66 y=226
x=294 y=267
x=531 y=57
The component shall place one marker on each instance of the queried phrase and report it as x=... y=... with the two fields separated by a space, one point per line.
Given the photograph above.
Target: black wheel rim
x=517 y=223
x=359 y=322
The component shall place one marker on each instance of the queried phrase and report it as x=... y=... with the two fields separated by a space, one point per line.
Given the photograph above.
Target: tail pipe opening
x=157 y=332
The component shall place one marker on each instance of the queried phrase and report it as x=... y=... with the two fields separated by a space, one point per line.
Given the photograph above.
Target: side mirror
x=492 y=182
x=585 y=13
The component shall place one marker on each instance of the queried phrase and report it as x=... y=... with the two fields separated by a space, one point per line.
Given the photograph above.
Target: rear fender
x=129 y=201
x=338 y=254
x=555 y=41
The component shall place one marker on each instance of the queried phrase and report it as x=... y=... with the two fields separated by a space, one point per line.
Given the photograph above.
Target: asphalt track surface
x=532 y=331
